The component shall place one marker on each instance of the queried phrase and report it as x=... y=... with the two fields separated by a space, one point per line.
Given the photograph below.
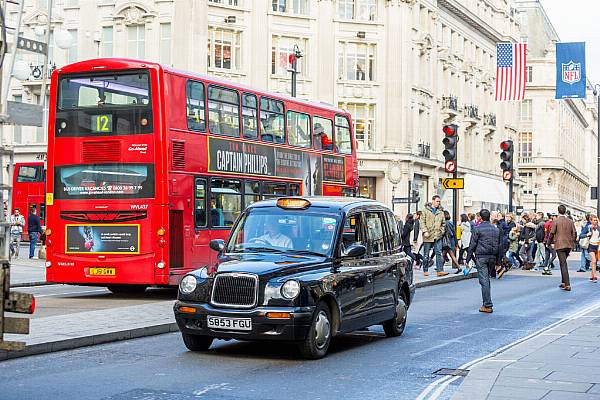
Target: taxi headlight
x=290 y=290
x=188 y=284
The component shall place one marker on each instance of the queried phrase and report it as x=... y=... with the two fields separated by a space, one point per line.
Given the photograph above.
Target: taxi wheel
x=396 y=325
x=319 y=335
x=196 y=342
x=127 y=289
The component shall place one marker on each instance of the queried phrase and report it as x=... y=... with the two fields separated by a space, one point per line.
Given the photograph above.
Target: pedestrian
x=34 y=228
x=432 y=226
x=540 y=251
x=562 y=236
x=526 y=240
x=465 y=238
x=585 y=256
x=486 y=247
x=550 y=252
x=417 y=240
x=405 y=235
x=449 y=242
x=513 y=246
x=593 y=237
x=17 y=222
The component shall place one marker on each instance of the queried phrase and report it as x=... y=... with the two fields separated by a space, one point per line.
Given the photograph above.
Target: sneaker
x=466 y=271
x=501 y=272
x=566 y=288
x=442 y=273
x=546 y=272
x=425 y=273
x=594 y=279
x=487 y=310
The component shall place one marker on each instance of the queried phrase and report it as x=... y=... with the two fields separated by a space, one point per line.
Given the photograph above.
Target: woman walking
x=594 y=238
x=449 y=242
x=407 y=231
x=465 y=239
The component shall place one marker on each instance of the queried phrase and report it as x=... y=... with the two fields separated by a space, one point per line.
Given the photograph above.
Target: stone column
x=190 y=33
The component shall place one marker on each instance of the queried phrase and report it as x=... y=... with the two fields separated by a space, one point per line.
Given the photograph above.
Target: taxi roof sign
x=296 y=203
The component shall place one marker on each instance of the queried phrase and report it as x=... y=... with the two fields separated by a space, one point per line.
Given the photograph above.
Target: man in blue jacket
x=486 y=246
x=34 y=228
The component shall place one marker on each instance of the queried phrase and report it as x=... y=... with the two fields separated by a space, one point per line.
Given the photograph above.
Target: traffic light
x=507 y=159
x=13 y=302
x=450 y=142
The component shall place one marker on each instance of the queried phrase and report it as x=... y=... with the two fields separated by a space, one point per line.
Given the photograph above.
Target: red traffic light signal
x=450 y=130
x=506 y=145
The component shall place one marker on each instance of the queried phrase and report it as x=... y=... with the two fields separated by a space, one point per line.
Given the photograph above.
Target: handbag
x=584 y=243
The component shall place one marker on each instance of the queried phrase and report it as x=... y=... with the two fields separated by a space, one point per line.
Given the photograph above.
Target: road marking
x=68 y=293
x=437 y=387
x=206 y=389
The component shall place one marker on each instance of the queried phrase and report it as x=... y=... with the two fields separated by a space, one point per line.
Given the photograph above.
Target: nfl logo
x=571 y=72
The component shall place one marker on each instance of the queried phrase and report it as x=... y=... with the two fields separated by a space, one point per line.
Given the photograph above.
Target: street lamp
x=535 y=191
x=597 y=95
x=296 y=54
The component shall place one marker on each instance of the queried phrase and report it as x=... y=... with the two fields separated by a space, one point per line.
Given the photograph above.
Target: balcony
x=424 y=150
x=471 y=114
x=525 y=160
x=450 y=106
x=489 y=123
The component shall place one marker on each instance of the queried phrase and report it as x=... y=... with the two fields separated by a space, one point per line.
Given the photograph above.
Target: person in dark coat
x=407 y=230
x=486 y=247
x=34 y=228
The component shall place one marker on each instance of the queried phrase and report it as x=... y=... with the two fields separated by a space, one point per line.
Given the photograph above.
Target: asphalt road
x=444 y=330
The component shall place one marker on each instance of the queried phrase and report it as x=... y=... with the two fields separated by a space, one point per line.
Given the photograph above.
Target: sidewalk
x=559 y=363
x=27 y=272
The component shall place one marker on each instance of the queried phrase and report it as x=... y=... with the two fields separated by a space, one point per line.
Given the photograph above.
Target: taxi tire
x=309 y=348
x=391 y=327
x=196 y=342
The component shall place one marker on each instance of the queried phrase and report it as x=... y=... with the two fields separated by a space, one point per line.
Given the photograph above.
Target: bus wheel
x=196 y=342
x=127 y=289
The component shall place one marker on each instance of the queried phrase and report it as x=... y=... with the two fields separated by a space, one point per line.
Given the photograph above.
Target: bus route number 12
x=102 y=123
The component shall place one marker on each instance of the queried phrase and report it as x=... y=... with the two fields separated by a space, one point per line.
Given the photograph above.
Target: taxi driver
x=273 y=237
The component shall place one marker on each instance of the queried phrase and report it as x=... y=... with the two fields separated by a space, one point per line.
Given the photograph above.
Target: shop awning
x=482 y=189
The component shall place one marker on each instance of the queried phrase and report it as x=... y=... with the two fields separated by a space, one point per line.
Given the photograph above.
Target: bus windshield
x=115 y=104
x=104 y=181
x=268 y=230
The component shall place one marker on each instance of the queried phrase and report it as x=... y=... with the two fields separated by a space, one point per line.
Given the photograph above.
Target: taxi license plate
x=102 y=271
x=234 y=324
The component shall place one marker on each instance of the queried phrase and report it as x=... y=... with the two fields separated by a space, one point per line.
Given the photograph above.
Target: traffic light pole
x=510 y=196
x=455 y=201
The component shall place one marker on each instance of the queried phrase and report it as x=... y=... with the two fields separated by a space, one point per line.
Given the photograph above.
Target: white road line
x=441 y=384
x=68 y=293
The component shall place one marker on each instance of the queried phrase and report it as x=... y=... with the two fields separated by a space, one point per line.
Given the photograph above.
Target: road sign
x=453 y=183
x=507 y=175
x=450 y=166
x=404 y=200
x=32 y=45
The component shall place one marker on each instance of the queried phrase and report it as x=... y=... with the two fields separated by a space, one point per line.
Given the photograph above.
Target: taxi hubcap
x=401 y=312
x=322 y=329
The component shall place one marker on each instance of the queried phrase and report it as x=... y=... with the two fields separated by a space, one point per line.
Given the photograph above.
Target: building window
x=136 y=41
x=528 y=178
x=165 y=43
x=226 y=2
x=528 y=74
x=367 y=187
x=72 y=52
x=281 y=50
x=224 y=49
x=362 y=10
x=525 y=114
x=107 y=41
x=356 y=62
x=525 y=147
x=363 y=116
x=291 y=6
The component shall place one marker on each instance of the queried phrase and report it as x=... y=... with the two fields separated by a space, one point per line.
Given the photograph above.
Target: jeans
x=512 y=259
x=525 y=253
x=550 y=257
x=437 y=249
x=585 y=259
x=15 y=239
x=564 y=270
x=33 y=238
x=540 y=254
x=484 y=263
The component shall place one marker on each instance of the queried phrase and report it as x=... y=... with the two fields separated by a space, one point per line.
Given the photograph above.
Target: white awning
x=482 y=189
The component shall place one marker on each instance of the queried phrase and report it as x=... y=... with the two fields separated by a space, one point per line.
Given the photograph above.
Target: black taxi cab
x=300 y=270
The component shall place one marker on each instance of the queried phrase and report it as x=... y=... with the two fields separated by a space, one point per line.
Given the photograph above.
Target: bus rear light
x=162 y=242
x=161 y=232
x=161 y=264
x=48 y=231
x=48 y=264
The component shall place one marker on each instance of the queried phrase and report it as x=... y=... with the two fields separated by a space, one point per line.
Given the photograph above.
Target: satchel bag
x=584 y=243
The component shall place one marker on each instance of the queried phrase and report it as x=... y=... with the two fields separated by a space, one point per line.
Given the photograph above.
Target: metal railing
x=450 y=102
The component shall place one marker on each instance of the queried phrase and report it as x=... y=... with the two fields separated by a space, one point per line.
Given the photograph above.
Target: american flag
x=510 y=71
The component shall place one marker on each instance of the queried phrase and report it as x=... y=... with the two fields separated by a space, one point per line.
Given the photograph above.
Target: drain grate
x=452 y=371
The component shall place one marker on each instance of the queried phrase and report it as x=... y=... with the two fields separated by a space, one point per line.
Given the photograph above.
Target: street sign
x=453 y=183
x=32 y=45
x=404 y=200
x=450 y=166
x=507 y=175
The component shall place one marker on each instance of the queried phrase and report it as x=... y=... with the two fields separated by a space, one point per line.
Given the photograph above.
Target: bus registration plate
x=235 y=324
x=102 y=271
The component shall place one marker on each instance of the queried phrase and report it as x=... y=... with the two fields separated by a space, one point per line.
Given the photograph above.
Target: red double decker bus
x=148 y=164
x=28 y=190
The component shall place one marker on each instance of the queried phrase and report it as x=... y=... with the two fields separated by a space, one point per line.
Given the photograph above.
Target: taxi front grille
x=235 y=290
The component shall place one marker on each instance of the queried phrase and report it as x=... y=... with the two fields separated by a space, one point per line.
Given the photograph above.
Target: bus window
x=251 y=192
x=274 y=189
x=272 y=121
x=342 y=135
x=225 y=202
x=29 y=173
x=298 y=129
x=323 y=133
x=200 y=203
x=250 y=116
x=223 y=111
x=195 y=106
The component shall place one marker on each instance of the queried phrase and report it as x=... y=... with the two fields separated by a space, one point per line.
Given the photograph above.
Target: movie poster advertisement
x=102 y=239
x=228 y=156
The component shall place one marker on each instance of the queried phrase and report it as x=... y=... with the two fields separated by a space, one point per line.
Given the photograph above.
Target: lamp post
x=597 y=95
x=297 y=53
x=535 y=191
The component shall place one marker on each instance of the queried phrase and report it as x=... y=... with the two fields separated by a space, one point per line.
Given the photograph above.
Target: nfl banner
x=570 y=70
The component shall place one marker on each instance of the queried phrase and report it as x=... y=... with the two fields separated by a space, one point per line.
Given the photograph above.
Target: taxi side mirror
x=217 y=245
x=354 y=251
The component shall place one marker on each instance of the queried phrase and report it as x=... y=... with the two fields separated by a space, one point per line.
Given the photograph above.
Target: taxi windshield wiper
x=307 y=252
x=258 y=249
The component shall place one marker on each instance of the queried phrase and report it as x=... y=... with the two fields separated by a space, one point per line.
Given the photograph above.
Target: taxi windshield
x=269 y=230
